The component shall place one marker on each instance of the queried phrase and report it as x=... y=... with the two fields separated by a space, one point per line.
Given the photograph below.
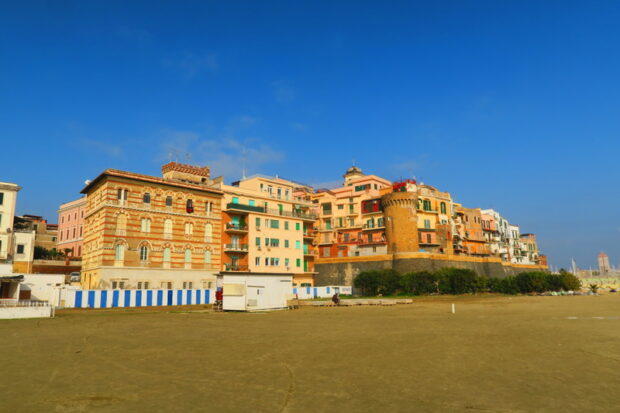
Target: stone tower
x=603 y=263
x=401 y=220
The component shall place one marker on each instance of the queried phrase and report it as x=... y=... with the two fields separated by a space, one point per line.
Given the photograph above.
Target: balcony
x=244 y=208
x=310 y=253
x=367 y=227
x=309 y=236
x=237 y=248
x=372 y=242
x=235 y=267
x=233 y=227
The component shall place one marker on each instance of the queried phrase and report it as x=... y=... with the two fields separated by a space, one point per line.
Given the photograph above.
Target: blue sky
x=509 y=105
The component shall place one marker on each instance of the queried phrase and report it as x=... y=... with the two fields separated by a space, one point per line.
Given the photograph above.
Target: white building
x=500 y=243
x=8 y=200
x=256 y=292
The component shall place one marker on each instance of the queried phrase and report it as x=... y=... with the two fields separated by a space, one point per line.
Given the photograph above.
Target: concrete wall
x=25 y=312
x=342 y=272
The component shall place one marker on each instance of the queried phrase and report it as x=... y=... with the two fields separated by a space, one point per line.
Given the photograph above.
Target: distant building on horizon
x=603 y=263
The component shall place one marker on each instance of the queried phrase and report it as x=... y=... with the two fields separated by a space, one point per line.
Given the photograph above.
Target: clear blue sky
x=509 y=105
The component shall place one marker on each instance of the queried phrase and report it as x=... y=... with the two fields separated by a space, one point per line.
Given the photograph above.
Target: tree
x=389 y=282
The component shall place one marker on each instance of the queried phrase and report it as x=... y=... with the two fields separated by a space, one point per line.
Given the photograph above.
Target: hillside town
x=185 y=228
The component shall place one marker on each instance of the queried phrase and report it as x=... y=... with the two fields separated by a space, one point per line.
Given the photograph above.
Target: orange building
x=143 y=231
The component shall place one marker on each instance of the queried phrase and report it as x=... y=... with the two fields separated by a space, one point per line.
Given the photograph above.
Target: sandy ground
x=498 y=354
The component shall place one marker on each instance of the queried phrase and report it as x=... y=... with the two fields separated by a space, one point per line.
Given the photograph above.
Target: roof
x=12 y=277
x=146 y=178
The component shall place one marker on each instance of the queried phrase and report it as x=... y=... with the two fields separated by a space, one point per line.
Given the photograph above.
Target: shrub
x=389 y=282
x=532 y=282
x=457 y=281
x=420 y=283
x=368 y=282
x=506 y=285
x=569 y=281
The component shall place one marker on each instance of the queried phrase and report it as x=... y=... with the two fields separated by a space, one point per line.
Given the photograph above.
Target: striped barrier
x=136 y=298
x=304 y=293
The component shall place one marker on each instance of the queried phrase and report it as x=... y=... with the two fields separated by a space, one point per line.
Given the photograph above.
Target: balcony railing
x=371 y=242
x=235 y=267
x=245 y=208
x=231 y=226
x=236 y=247
x=374 y=226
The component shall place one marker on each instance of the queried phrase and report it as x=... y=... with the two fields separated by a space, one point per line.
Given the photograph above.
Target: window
x=145 y=225
x=235 y=200
x=341 y=206
x=166 y=285
x=168 y=201
x=144 y=253
x=80 y=231
x=298 y=262
x=275 y=242
x=208 y=207
x=20 y=248
x=266 y=261
x=167 y=226
x=188 y=255
x=188 y=285
x=207 y=256
x=1 y=198
x=286 y=243
x=189 y=228
x=258 y=241
x=143 y=285
x=118 y=285
x=428 y=238
x=297 y=244
x=286 y=262
x=189 y=206
x=251 y=202
x=427 y=223
x=146 y=198
x=208 y=232
x=427 y=205
x=327 y=208
x=257 y=261
x=73 y=232
x=297 y=226
x=346 y=237
x=119 y=252
x=257 y=222
x=286 y=225
x=167 y=254
x=275 y=224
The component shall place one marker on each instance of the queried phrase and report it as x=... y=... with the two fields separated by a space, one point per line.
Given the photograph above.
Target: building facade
x=70 y=236
x=268 y=229
x=8 y=201
x=143 y=231
x=350 y=218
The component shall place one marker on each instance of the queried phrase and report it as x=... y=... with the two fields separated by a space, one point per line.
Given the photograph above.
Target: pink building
x=71 y=226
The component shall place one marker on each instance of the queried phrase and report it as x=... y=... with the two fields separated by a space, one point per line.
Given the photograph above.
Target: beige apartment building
x=143 y=231
x=268 y=229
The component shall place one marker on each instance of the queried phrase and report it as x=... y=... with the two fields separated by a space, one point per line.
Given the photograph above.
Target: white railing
x=13 y=302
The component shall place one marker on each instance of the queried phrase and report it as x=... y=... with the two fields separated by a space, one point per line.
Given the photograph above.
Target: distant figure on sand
x=336 y=299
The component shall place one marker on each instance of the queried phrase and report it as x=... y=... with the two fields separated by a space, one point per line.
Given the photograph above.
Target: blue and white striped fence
x=136 y=298
x=154 y=298
x=321 y=292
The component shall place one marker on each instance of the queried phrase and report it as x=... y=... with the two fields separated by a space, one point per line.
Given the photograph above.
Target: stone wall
x=343 y=271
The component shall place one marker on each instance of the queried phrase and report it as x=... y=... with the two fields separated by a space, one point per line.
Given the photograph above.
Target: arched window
x=144 y=253
x=188 y=255
x=189 y=228
x=189 y=206
x=427 y=205
x=145 y=225
x=167 y=226
x=121 y=221
x=167 y=254
x=208 y=232
x=208 y=207
x=168 y=201
x=146 y=198
x=119 y=252
x=208 y=257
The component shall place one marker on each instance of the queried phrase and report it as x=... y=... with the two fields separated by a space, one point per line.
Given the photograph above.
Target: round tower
x=401 y=221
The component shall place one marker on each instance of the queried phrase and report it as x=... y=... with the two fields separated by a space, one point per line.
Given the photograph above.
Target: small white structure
x=256 y=292
x=11 y=306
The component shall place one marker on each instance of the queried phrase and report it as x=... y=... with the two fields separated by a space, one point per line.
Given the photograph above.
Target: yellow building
x=268 y=229
x=144 y=232
x=434 y=212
